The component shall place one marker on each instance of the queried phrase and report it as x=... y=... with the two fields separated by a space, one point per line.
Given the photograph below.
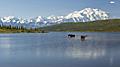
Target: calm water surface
x=55 y=49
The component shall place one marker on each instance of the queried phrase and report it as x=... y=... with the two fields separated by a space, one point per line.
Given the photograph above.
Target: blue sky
x=32 y=8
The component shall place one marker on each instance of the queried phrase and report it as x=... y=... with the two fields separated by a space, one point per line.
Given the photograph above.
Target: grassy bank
x=112 y=25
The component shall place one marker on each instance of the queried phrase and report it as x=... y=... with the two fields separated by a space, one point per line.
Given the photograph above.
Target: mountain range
x=85 y=15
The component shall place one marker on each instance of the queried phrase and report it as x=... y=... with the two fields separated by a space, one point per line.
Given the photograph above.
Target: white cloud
x=111 y=2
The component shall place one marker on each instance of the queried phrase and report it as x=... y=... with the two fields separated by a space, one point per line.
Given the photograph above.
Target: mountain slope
x=112 y=25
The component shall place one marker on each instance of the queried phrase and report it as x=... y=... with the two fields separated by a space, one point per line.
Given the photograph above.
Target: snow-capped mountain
x=55 y=19
x=13 y=19
x=85 y=15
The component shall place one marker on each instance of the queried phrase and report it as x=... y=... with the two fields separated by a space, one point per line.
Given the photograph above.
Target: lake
x=55 y=49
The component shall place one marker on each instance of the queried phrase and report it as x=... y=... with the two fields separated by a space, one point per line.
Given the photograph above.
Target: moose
x=71 y=35
x=83 y=37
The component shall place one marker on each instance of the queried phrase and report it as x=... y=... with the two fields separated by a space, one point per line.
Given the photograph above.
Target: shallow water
x=55 y=49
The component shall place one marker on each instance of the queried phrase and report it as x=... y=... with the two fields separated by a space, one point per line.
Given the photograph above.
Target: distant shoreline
x=112 y=25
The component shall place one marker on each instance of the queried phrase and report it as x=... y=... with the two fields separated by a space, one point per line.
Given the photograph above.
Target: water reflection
x=6 y=42
x=88 y=52
x=79 y=50
x=39 y=48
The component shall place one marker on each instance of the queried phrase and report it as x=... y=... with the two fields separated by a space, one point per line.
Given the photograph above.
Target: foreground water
x=55 y=49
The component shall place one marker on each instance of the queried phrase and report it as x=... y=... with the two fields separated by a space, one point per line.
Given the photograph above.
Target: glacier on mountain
x=85 y=15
